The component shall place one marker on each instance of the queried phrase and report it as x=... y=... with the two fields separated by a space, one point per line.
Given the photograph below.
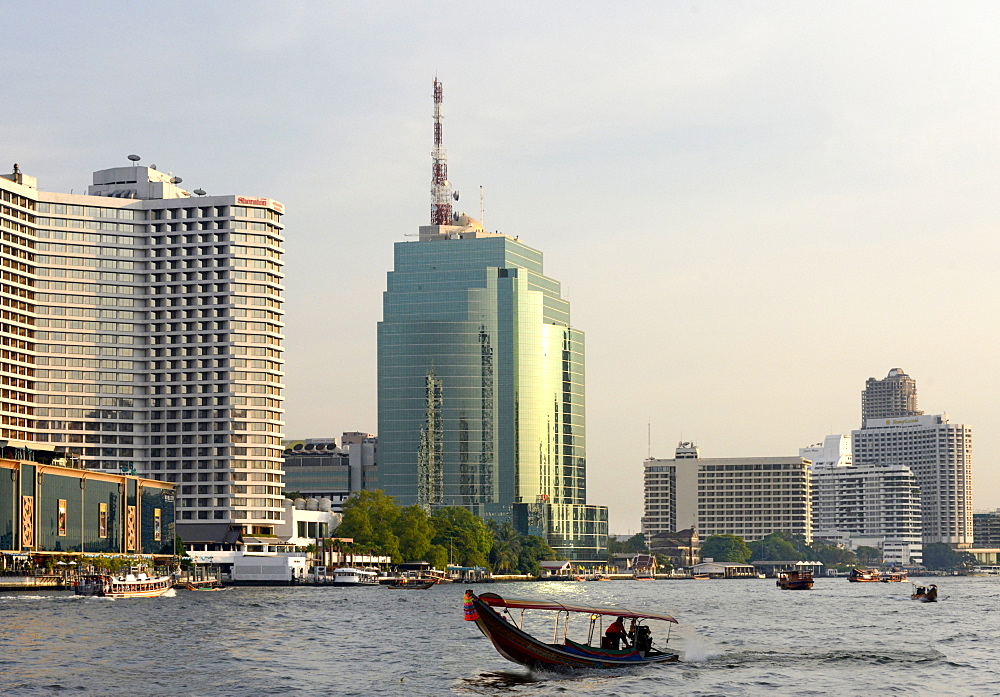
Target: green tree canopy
x=868 y=555
x=938 y=555
x=369 y=518
x=506 y=548
x=533 y=550
x=463 y=534
x=776 y=546
x=415 y=531
x=831 y=555
x=726 y=548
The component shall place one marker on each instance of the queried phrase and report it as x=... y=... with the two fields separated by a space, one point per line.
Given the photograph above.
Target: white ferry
x=127 y=586
x=348 y=576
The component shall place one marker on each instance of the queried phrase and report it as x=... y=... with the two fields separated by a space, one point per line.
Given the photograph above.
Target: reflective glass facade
x=480 y=382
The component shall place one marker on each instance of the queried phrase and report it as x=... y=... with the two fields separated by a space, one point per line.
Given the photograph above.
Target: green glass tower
x=481 y=387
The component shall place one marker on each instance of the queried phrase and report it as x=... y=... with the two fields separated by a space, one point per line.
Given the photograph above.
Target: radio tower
x=440 y=186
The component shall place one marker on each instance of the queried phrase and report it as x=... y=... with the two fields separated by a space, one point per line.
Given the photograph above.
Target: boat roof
x=494 y=600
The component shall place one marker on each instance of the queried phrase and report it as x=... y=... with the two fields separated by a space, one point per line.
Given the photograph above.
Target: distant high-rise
x=746 y=496
x=480 y=381
x=938 y=453
x=893 y=396
x=142 y=331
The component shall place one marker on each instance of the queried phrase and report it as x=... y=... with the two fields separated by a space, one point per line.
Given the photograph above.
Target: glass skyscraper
x=481 y=387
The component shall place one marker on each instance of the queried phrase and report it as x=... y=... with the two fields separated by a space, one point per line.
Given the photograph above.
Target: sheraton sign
x=266 y=202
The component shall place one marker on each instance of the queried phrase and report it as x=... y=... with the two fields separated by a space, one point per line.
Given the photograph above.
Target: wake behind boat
x=513 y=643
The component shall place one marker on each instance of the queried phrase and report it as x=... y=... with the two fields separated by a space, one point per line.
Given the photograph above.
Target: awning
x=218 y=533
x=494 y=600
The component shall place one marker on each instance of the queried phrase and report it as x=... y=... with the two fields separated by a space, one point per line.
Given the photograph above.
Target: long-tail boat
x=925 y=595
x=492 y=614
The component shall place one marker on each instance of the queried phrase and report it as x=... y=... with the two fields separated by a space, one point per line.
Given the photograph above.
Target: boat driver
x=615 y=633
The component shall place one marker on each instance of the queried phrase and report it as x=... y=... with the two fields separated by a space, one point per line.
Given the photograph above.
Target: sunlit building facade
x=142 y=333
x=481 y=387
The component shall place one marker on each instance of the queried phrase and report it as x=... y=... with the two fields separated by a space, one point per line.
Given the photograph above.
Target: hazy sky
x=752 y=206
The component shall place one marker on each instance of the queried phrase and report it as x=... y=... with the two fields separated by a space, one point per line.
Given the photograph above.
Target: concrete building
x=143 y=333
x=871 y=505
x=834 y=451
x=320 y=468
x=986 y=528
x=750 y=497
x=894 y=396
x=938 y=453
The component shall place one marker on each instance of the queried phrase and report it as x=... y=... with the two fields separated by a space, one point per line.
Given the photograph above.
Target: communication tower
x=441 y=196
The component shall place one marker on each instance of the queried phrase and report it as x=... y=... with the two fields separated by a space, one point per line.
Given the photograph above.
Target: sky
x=752 y=206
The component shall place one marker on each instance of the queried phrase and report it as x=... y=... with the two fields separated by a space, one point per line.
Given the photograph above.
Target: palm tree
x=506 y=547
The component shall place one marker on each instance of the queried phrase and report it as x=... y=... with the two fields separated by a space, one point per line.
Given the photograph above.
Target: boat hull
x=104 y=587
x=520 y=647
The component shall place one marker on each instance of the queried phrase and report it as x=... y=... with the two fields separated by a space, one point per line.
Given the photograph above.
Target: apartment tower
x=142 y=332
x=938 y=452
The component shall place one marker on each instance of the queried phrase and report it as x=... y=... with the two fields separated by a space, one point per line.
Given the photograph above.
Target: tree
x=726 y=548
x=831 y=555
x=506 y=548
x=868 y=555
x=938 y=555
x=463 y=534
x=533 y=550
x=415 y=531
x=437 y=557
x=368 y=518
x=773 y=547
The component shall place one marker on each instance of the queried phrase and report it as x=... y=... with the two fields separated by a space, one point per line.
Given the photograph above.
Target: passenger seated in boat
x=615 y=635
x=920 y=590
x=642 y=638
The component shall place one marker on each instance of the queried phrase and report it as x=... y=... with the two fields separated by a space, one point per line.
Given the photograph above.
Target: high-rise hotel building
x=938 y=452
x=750 y=497
x=142 y=330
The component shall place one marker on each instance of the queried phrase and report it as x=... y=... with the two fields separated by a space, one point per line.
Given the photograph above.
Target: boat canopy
x=494 y=600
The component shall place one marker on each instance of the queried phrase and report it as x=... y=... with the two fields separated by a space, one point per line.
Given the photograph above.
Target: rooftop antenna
x=440 y=186
x=482 y=208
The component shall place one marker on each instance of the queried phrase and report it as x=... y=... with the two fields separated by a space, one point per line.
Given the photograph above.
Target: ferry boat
x=795 y=580
x=894 y=577
x=348 y=576
x=127 y=586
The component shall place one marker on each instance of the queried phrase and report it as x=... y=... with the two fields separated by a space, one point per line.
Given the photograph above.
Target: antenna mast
x=440 y=186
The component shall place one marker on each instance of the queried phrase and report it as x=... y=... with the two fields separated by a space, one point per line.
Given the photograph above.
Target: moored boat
x=795 y=580
x=418 y=584
x=864 y=575
x=513 y=643
x=126 y=586
x=349 y=576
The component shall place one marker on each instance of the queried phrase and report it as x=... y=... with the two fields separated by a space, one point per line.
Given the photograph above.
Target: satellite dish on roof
x=200 y=192
x=176 y=180
x=455 y=195
x=134 y=158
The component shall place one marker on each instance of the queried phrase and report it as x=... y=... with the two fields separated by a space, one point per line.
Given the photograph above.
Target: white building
x=834 y=451
x=871 y=505
x=750 y=497
x=143 y=332
x=939 y=454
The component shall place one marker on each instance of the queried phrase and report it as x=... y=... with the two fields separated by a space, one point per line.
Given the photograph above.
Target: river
x=742 y=637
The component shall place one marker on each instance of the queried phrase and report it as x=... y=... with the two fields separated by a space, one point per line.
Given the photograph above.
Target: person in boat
x=615 y=634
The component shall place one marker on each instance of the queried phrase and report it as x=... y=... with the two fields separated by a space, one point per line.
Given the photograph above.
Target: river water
x=735 y=638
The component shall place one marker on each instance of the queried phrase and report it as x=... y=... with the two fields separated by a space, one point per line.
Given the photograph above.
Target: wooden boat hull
x=520 y=647
x=421 y=586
